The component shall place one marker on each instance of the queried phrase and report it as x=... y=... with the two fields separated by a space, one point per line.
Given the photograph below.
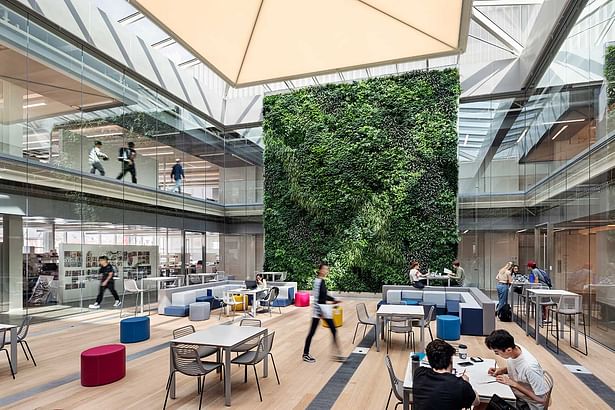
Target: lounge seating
x=448 y=327
x=475 y=310
x=199 y=311
x=134 y=329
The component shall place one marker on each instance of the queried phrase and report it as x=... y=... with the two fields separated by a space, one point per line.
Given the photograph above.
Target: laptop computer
x=250 y=284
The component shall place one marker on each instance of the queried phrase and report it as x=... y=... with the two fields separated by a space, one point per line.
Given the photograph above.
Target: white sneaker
x=117 y=303
x=94 y=306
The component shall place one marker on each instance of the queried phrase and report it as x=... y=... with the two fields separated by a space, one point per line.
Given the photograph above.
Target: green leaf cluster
x=609 y=74
x=363 y=175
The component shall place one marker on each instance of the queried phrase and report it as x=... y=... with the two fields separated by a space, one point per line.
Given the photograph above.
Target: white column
x=12 y=261
x=11 y=118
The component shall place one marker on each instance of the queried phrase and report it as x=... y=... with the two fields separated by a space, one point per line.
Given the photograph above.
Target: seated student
x=417 y=279
x=437 y=388
x=458 y=275
x=522 y=372
x=261 y=283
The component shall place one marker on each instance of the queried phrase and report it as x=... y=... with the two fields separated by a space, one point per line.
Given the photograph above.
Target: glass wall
x=89 y=162
x=536 y=177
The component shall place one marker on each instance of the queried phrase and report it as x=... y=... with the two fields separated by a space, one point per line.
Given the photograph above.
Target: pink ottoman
x=302 y=299
x=103 y=365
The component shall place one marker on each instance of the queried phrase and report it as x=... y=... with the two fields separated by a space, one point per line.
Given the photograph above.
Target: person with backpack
x=127 y=156
x=503 y=279
x=542 y=277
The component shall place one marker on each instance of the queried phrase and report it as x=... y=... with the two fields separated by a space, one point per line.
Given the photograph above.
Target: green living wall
x=364 y=176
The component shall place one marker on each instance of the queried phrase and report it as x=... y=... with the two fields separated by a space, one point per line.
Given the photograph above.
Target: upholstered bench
x=448 y=327
x=134 y=329
x=103 y=365
x=302 y=299
x=179 y=311
x=199 y=311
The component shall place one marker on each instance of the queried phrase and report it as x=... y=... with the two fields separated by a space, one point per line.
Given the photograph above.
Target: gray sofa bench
x=474 y=308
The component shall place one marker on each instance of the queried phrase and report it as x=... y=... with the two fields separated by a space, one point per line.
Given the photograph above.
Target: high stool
x=199 y=311
x=103 y=365
x=569 y=306
x=134 y=329
x=448 y=327
x=302 y=299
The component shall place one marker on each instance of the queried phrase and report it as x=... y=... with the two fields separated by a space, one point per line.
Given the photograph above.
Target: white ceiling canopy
x=250 y=42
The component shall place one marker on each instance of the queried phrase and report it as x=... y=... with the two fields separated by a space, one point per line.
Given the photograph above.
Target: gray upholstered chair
x=363 y=319
x=186 y=360
x=254 y=357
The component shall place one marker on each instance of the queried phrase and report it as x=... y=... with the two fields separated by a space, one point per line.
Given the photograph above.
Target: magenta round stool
x=302 y=299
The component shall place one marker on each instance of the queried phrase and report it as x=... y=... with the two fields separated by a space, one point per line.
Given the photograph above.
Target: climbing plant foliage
x=609 y=74
x=364 y=176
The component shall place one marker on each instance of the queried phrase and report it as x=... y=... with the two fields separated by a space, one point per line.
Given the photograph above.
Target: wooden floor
x=57 y=345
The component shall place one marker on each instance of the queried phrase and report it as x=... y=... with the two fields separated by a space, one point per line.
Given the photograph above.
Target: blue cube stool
x=179 y=311
x=448 y=327
x=134 y=329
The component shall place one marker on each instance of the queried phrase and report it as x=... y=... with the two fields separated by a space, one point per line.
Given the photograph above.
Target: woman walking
x=504 y=280
x=321 y=311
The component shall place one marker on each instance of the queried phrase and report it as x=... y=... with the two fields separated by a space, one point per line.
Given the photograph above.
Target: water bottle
x=463 y=352
x=416 y=363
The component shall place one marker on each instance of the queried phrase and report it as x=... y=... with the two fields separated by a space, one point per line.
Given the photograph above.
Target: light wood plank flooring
x=57 y=345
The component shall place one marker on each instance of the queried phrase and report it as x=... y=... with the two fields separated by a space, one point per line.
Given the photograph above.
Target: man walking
x=106 y=272
x=94 y=159
x=127 y=157
x=177 y=174
x=321 y=311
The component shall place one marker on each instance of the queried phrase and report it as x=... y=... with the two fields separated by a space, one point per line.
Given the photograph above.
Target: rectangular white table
x=224 y=337
x=409 y=311
x=13 y=331
x=439 y=277
x=479 y=379
x=539 y=295
x=243 y=292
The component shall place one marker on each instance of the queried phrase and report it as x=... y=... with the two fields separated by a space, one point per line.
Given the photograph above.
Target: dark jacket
x=320 y=292
x=177 y=172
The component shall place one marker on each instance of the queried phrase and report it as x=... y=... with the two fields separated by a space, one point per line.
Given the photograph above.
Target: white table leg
x=143 y=291
x=527 y=313
x=266 y=361
x=422 y=345
x=14 y=349
x=227 y=376
x=254 y=304
x=378 y=333
x=537 y=316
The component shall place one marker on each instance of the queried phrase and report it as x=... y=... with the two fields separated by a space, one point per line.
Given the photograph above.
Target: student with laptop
x=522 y=373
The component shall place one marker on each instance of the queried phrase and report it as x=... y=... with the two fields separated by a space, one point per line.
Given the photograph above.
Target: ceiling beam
x=496 y=31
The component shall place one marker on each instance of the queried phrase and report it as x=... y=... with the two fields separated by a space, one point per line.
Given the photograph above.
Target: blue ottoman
x=179 y=311
x=134 y=329
x=448 y=327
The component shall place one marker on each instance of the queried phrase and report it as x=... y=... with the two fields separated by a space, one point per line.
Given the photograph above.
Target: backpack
x=544 y=277
x=123 y=154
x=505 y=314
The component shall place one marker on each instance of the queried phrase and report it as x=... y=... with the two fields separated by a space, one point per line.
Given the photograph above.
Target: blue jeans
x=502 y=289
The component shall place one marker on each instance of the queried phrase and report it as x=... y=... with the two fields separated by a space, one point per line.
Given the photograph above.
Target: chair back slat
x=264 y=347
x=23 y=329
x=273 y=295
x=130 y=285
x=362 y=313
x=183 y=331
x=186 y=360
x=395 y=382
x=429 y=316
x=2 y=337
x=250 y=322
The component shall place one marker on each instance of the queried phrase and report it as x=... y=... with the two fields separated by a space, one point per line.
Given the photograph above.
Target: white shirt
x=415 y=275
x=526 y=369
x=95 y=155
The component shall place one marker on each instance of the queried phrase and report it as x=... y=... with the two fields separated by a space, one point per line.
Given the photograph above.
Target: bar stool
x=569 y=306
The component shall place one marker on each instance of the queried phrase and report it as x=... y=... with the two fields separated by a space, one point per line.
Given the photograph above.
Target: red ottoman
x=103 y=365
x=302 y=299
